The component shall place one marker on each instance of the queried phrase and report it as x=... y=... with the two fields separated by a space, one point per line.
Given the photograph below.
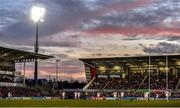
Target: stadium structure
x=155 y=73
x=8 y=58
x=116 y=78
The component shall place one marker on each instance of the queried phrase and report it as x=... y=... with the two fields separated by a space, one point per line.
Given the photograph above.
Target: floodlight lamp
x=37 y=13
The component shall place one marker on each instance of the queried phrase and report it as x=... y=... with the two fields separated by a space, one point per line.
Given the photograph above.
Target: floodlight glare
x=37 y=13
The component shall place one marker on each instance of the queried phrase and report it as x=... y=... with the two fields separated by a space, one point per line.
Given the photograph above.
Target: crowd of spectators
x=45 y=88
x=99 y=83
x=57 y=84
x=67 y=85
x=5 y=79
x=17 y=91
x=135 y=81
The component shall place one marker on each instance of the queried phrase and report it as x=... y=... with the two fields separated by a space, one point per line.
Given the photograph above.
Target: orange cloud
x=44 y=72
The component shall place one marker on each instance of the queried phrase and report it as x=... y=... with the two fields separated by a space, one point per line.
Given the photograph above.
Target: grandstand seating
x=135 y=81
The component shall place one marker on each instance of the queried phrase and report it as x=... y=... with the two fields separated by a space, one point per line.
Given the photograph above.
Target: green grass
x=86 y=103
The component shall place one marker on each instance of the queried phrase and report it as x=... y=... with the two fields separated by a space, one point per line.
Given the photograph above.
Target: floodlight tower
x=37 y=14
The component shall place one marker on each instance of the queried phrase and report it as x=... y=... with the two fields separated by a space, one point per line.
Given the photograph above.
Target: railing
x=142 y=81
x=88 y=84
x=106 y=84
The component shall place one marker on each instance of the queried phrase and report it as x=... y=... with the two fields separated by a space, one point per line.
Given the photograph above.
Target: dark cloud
x=62 y=56
x=131 y=18
x=66 y=43
x=72 y=62
x=150 y=16
x=173 y=38
x=20 y=30
x=161 y=48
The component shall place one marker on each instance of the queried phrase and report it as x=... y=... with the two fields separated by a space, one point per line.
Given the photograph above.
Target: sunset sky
x=75 y=29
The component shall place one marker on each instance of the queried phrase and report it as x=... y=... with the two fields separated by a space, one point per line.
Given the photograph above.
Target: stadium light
x=178 y=62
x=102 y=69
x=116 y=68
x=37 y=14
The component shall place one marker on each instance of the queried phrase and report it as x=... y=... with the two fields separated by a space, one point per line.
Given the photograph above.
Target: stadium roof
x=130 y=59
x=8 y=54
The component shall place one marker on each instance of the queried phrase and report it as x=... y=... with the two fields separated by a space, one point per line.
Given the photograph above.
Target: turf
x=86 y=103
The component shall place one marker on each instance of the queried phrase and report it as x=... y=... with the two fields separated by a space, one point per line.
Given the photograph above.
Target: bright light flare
x=37 y=13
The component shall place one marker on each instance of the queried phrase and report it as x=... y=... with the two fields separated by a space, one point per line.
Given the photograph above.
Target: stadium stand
x=131 y=75
x=8 y=85
x=131 y=82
